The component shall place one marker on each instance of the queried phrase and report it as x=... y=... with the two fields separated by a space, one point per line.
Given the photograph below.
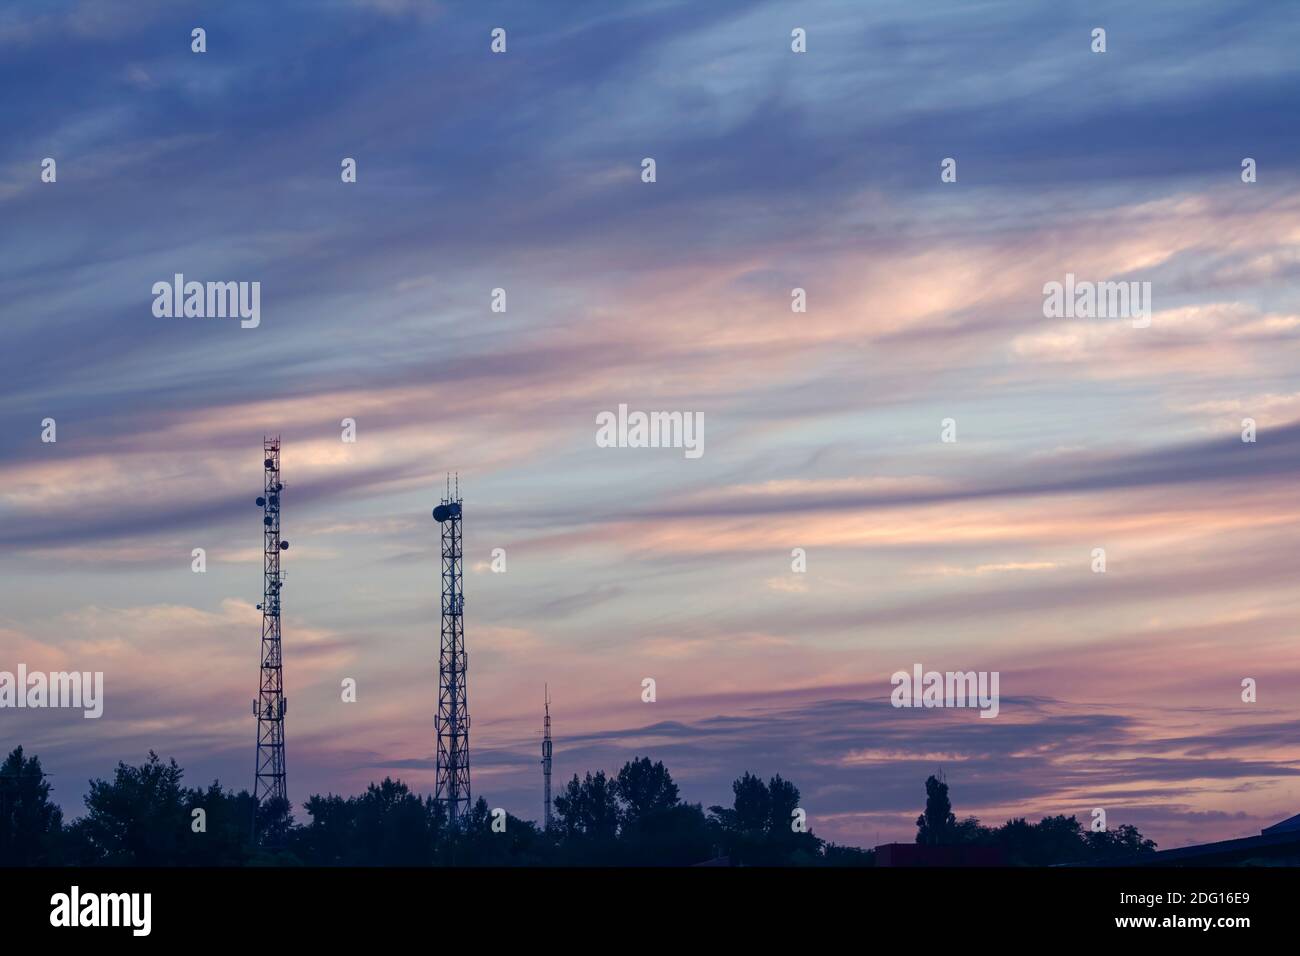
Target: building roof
x=1290 y=823
x=1279 y=843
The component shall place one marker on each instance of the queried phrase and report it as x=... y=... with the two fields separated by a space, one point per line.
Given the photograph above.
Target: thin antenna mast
x=546 y=761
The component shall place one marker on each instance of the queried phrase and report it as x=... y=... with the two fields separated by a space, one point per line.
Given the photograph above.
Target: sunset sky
x=775 y=170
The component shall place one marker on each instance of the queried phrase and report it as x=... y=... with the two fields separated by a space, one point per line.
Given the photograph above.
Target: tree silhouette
x=656 y=828
x=392 y=825
x=936 y=825
x=1125 y=841
x=644 y=788
x=480 y=843
x=140 y=818
x=30 y=825
x=144 y=816
x=274 y=822
x=1052 y=840
x=588 y=807
x=226 y=839
x=1059 y=840
x=757 y=829
x=386 y=825
x=330 y=838
x=783 y=799
x=753 y=804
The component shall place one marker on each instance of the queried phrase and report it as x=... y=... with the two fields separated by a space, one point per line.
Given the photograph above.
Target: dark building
x=1278 y=845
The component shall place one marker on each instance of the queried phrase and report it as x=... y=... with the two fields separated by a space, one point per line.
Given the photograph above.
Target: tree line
x=1051 y=841
x=146 y=816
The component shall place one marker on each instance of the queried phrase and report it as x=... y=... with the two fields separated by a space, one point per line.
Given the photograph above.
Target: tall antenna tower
x=269 y=784
x=546 y=763
x=452 y=722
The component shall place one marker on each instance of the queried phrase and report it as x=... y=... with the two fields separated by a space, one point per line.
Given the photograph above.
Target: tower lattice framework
x=269 y=708
x=452 y=721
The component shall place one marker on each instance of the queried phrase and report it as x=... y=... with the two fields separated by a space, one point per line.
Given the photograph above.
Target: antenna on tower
x=546 y=759
x=271 y=808
x=452 y=721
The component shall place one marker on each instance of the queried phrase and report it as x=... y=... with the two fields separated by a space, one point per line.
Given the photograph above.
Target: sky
x=823 y=430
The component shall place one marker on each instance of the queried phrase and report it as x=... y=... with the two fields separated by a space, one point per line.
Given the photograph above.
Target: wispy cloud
x=775 y=172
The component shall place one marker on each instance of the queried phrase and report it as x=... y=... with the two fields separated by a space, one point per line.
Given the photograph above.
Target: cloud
x=776 y=171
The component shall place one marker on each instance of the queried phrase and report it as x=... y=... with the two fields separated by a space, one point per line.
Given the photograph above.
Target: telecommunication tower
x=452 y=721
x=269 y=708
x=546 y=762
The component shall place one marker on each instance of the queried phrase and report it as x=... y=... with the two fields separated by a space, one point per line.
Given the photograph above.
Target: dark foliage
x=762 y=827
x=31 y=827
x=1052 y=840
x=145 y=816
